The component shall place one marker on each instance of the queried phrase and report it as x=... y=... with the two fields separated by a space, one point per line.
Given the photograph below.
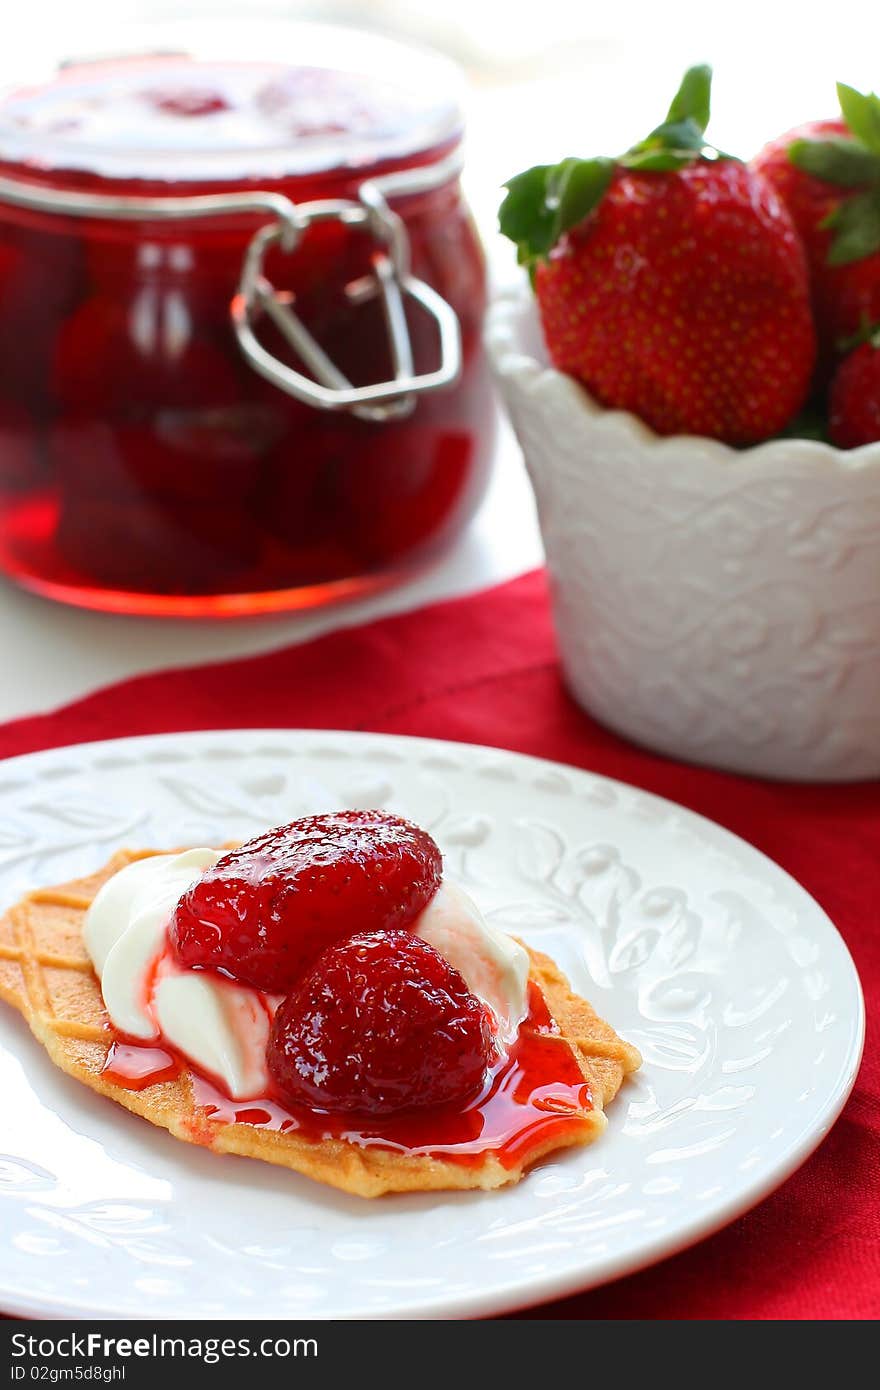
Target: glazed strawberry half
x=267 y=910
x=671 y=281
x=381 y=1023
x=827 y=173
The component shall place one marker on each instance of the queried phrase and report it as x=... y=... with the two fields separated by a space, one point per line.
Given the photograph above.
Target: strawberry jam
x=533 y=1098
x=136 y=1067
x=144 y=465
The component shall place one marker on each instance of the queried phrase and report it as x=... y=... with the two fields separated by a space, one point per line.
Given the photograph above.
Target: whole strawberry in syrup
x=381 y=1023
x=267 y=910
x=854 y=401
x=670 y=281
x=827 y=174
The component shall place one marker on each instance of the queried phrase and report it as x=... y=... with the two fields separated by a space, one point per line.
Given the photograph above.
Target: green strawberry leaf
x=867 y=332
x=809 y=423
x=548 y=200
x=524 y=216
x=681 y=138
x=544 y=202
x=837 y=160
x=861 y=111
x=658 y=160
x=670 y=146
x=856 y=226
x=691 y=102
x=574 y=188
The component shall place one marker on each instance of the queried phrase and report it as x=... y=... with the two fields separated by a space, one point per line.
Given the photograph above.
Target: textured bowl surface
x=719 y=605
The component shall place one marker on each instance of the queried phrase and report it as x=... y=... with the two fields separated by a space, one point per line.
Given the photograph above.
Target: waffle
x=46 y=974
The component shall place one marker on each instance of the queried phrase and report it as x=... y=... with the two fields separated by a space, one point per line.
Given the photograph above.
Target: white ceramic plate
x=731 y=980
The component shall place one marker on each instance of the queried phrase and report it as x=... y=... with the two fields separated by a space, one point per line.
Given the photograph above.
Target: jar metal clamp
x=392 y=280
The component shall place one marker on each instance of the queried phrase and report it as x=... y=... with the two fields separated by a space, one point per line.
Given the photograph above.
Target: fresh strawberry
x=854 y=401
x=381 y=1023
x=670 y=281
x=827 y=174
x=268 y=909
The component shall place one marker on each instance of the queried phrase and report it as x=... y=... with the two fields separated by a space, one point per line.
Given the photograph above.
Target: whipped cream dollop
x=494 y=966
x=220 y=1026
x=223 y=1027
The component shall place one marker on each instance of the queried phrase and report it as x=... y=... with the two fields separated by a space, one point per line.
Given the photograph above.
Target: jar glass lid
x=332 y=99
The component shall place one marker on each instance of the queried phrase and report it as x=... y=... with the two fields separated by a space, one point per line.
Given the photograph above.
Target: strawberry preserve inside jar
x=240 y=330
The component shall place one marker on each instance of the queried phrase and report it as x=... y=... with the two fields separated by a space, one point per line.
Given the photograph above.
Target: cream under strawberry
x=219 y=1025
x=166 y=934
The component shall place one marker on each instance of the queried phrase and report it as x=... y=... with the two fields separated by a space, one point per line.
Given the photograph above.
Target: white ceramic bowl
x=719 y=605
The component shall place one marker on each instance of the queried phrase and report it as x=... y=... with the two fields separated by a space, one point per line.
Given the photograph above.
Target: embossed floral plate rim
x=501 y=818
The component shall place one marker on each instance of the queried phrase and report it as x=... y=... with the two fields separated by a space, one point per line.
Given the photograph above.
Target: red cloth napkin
x=483 y=670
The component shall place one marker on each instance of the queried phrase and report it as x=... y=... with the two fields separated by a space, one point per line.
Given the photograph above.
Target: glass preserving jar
x=240 y=329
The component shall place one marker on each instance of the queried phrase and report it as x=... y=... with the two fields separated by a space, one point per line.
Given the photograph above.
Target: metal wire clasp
x=391 y=280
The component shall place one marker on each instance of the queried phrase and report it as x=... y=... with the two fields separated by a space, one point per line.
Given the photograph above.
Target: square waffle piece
x=46 y=974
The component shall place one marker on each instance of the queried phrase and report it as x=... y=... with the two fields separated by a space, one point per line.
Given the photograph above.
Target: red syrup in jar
x=534 y=1097
x=148 y=467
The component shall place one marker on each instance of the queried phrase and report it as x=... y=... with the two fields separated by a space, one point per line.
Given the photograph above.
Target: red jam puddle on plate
x=535 y=1093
